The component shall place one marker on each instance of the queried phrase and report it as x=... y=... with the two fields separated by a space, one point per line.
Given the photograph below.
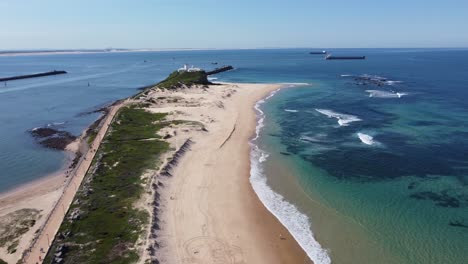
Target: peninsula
x=164 y=178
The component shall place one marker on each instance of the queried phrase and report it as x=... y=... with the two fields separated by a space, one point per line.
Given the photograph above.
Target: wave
x=392 y=82
x=343 y=119
x=262 y=115
x=291 y=110
x=56 y=124
x=384 y=94
x=315 y=139
x=295 y=84
x=296 y=222
x=212 y=78
x=367 y=139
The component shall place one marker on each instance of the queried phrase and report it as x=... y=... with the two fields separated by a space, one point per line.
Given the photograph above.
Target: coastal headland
x=165 y=179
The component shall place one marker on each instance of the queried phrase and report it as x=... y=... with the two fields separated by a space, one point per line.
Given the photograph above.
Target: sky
x=232 y=24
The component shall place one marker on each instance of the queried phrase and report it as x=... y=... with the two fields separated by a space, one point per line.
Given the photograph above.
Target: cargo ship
x=330 y=57
x=318 y=52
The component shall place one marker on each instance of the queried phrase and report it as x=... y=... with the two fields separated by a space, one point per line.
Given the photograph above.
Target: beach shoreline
x=39 y=194
x=209 y=201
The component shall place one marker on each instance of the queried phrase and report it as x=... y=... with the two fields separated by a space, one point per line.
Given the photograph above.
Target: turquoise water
x=370 y=157
x=400 y=196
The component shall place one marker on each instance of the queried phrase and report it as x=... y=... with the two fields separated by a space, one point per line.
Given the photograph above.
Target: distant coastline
x=7 y=53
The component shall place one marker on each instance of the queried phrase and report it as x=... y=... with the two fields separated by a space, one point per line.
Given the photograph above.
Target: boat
x=331 y=57
x=318 y=52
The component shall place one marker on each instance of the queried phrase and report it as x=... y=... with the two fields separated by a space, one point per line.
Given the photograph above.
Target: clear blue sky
x=63 y=24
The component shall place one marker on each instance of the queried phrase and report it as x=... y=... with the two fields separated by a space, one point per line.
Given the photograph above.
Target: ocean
x=364 y=161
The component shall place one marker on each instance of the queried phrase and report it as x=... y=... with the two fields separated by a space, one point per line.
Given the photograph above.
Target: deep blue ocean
x=373 y=153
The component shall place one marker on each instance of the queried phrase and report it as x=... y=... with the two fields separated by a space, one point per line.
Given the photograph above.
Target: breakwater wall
x=345 y=57
x=219 y=70
x=36 y=75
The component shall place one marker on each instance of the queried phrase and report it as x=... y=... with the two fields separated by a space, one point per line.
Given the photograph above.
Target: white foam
x=291 y=110
x=392 y=82
x=366 y=139
x=343 y=119
x=55 y=124
x=295 y=84
x=212 y=78
x=296 y=222
x=345 y=75
x=384 y=94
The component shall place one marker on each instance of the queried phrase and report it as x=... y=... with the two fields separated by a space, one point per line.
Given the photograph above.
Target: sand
x=40 y=195
x=210 y=213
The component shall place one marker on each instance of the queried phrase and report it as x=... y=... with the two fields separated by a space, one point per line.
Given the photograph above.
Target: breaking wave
x=296 y=222
x=343 y=119
x=291 y=110
x=367 y=139
x=384 y=94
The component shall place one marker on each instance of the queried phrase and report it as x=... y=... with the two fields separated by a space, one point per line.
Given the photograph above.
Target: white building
x=189 y=69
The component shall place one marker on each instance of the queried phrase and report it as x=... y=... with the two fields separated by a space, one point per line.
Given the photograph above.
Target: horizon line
x=110 y=49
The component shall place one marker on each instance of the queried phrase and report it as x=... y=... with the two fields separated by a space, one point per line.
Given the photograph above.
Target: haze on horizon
x=86 y=24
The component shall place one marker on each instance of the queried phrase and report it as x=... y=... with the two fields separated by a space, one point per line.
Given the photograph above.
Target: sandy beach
x=210 y=211
x=40 y=195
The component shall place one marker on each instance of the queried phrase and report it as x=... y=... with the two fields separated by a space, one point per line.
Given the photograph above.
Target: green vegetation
x=177 y=79
x=14 y=225
x=91 y=137
x=3 y=262
x=103 y=224
x=12 y=247
x=93 y=129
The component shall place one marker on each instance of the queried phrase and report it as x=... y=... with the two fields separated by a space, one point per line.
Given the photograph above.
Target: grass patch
x=14 y=225
x=12 y=247
x=177 y=79
x=93 y=129
x=102 y=225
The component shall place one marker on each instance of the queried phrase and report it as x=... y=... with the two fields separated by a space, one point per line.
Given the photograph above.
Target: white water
x=366 y=139
x=296 y=222
x=384 y=94
x=291 y=110
x=343 y=119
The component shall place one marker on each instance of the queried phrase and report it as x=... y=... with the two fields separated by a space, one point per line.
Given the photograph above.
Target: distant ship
x=318 y=52
x=330 y=57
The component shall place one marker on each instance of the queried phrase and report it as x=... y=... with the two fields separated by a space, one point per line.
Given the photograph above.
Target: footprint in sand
x=206 y=250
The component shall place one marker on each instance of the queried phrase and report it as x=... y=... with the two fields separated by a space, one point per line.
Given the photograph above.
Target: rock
x=52 y=138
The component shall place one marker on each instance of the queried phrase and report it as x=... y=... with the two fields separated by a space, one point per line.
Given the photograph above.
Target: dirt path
x=42 y=242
